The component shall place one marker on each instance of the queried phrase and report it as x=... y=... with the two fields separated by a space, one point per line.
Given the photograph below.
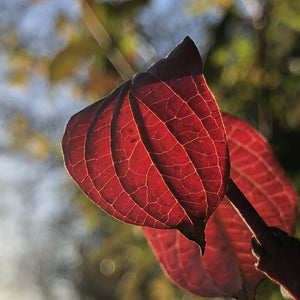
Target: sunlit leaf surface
x=154 y=152
x=227 y=266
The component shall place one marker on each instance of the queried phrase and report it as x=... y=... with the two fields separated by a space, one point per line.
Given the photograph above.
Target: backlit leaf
x=154 y=152
x=227 y=266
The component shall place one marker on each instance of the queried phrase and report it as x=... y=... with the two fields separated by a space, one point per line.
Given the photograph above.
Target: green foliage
x=66 y=62
x=249 y=65
x=109 y=27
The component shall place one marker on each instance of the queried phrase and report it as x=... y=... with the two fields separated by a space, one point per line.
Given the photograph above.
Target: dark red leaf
x=227 y=267
x=154 y=152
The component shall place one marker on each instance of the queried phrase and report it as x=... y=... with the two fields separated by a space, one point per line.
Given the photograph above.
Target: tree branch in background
x=104 y=40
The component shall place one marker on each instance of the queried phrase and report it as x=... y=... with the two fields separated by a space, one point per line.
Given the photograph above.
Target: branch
x=278 y=253
x=104 y=40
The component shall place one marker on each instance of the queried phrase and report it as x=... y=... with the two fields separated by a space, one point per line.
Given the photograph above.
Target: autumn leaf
x=154 y=152
x=228 y=267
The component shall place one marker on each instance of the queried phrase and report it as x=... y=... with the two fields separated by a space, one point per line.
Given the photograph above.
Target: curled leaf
x=154 y=152
x=228 y=267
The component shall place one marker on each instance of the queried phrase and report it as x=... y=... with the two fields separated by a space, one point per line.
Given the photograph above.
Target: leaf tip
x=188 y=53
x=196 y=234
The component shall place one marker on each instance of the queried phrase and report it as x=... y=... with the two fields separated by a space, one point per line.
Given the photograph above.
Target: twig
x=249 y=215
x=278 y=253
x=104 y=40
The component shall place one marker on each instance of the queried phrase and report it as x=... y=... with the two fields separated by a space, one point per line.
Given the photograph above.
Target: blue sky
x=33 y=192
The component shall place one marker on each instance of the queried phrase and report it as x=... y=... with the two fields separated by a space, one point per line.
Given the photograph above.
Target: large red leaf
x=154 y=152
x=227 y=267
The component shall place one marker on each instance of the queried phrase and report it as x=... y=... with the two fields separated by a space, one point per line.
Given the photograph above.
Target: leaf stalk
x=278 y=253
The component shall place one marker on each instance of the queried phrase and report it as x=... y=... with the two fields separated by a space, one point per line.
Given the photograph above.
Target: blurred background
x=56 y=57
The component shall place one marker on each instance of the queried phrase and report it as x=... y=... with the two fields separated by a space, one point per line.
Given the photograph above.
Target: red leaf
x=154 y=152
x=227 y=267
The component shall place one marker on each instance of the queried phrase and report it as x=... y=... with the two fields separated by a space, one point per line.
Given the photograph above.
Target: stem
x=105 y=41
x=250 y=216
x=277 y=252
